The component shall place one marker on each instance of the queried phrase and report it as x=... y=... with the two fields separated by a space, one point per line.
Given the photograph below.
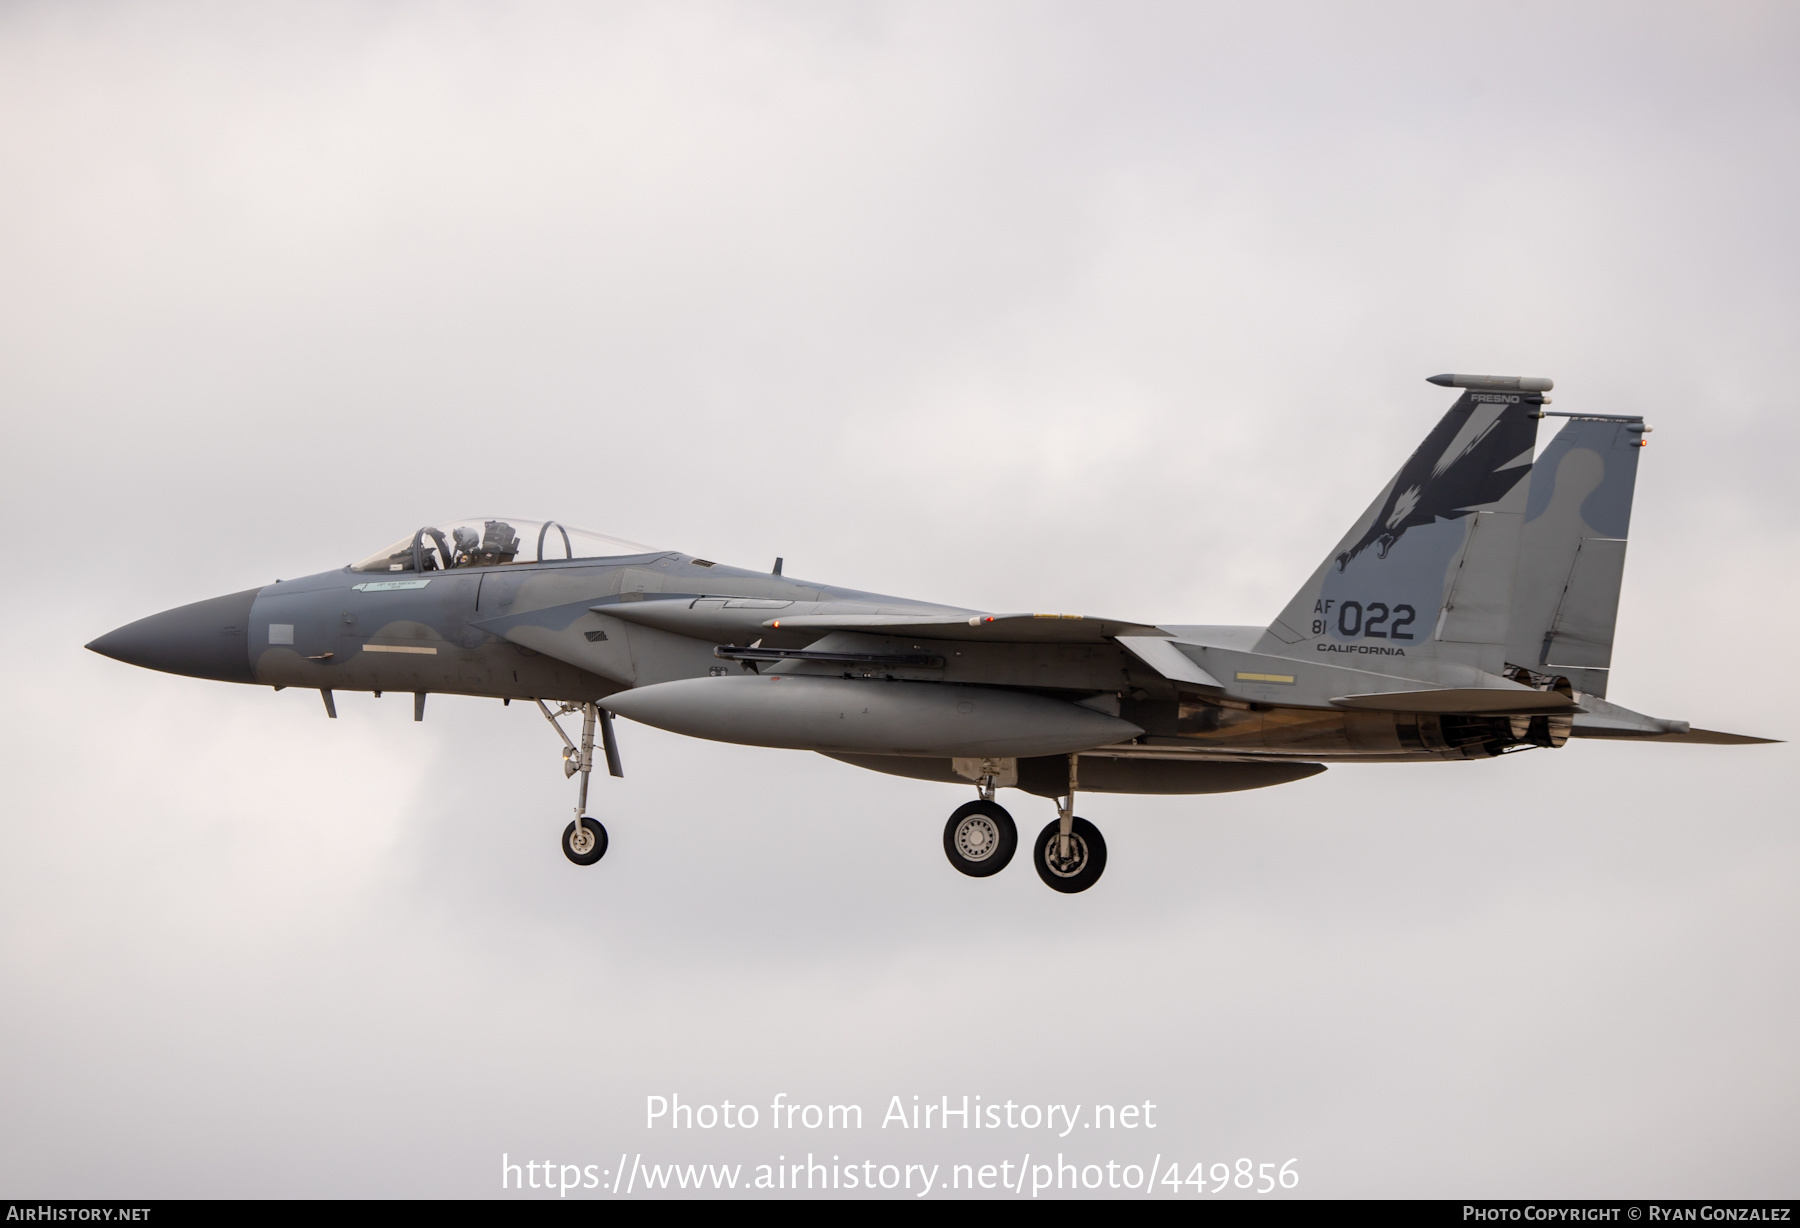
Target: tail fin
x=1572 y=550
x=1425 y=575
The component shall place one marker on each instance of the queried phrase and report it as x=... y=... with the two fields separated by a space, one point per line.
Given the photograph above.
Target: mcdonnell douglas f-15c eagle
x=1468 y=613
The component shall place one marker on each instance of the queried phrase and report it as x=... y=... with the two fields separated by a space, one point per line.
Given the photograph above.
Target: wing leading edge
x=988 y=628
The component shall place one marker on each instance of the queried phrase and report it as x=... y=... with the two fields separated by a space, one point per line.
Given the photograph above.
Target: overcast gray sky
x=1117 y=308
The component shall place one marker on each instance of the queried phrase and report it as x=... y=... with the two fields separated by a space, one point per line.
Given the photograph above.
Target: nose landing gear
x=584 y=841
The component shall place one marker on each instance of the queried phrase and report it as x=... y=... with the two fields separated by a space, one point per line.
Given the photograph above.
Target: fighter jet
x=1467 y=615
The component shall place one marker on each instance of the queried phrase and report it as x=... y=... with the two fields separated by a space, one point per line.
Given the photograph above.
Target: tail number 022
x=1375 y=621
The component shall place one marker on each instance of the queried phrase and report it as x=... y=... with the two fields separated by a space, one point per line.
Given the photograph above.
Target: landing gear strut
x=584 y=841
x=1070 y=854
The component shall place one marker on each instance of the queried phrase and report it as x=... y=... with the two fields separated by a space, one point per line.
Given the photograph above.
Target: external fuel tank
x=871 y=716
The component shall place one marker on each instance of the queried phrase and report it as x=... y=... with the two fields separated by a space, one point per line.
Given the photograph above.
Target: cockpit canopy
x=446 y=545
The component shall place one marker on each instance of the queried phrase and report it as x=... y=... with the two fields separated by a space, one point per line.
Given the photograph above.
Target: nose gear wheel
x=584 y=841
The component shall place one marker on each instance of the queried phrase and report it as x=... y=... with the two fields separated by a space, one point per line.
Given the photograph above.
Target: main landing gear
x=980 y=838
x=1070 y=854
x=584 y=841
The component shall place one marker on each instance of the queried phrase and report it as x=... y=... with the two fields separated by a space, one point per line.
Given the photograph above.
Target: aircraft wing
x=983 y=628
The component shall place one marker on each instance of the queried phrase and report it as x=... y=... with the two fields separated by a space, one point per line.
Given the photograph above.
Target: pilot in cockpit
x=455 y=544
x=496 y=544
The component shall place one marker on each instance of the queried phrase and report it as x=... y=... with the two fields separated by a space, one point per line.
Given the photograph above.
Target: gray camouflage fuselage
x=1468 y=613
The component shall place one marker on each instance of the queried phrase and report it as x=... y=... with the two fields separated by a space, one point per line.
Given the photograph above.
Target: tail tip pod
x=1493 y=383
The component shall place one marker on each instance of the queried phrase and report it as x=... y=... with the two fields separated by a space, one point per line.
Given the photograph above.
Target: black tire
x=980 y=838
x=1084 y=868
x=593 y=854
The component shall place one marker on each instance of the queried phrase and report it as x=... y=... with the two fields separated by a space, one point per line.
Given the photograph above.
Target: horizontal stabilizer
x=1470 y=701
x=1703 y=737
x=1601 y=718
x=986 y=628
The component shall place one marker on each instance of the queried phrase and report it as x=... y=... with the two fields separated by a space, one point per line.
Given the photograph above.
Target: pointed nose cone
x=209 y=639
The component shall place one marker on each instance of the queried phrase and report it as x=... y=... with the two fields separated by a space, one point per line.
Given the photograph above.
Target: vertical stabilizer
x=1572 y=550
x=1422 y=584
